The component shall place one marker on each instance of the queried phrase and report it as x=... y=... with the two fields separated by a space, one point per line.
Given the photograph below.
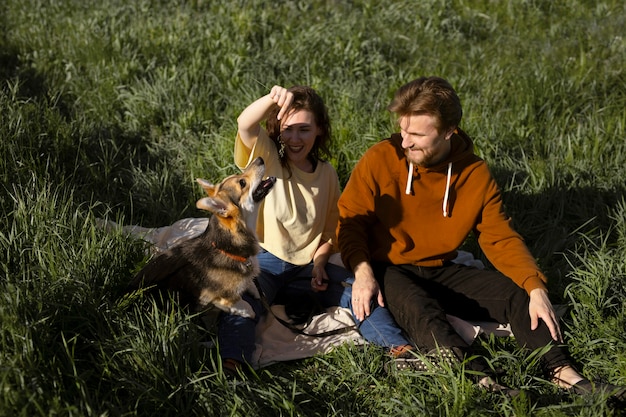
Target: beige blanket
x=275 y=342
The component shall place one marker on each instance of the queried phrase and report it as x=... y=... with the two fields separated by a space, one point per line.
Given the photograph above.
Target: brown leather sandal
x=232 y=368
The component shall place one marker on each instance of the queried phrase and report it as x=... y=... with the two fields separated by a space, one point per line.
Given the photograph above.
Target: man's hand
x=364 y=289
x=540 y=307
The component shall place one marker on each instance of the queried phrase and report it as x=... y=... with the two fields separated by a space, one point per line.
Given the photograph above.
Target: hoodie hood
x=461 y=147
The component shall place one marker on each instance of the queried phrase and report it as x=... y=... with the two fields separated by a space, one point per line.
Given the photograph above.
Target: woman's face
x=298 y=131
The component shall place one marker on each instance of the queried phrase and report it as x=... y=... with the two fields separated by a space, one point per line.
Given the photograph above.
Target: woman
x=296 y=224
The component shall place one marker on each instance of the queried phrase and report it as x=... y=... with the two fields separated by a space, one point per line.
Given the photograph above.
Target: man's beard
x=426 y=160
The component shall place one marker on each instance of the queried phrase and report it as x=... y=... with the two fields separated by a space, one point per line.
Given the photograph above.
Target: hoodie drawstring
x=446 y=196
x=409 y=179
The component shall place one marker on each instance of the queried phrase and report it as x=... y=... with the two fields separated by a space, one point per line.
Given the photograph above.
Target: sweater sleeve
x=356 y=215
x=503 y=246
x=263 y=147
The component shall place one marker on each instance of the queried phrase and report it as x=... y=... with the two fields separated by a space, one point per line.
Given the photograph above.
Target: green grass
x=110 y=110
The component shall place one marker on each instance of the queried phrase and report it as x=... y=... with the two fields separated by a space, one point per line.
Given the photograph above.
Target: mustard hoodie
x=389 y=213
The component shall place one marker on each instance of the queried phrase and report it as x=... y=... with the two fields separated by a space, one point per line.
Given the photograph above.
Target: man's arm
x=508 y=253
x=365 y=289
x=356 y=208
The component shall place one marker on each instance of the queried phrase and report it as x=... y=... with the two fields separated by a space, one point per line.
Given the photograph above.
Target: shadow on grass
x=554 y=221
x=134 y=173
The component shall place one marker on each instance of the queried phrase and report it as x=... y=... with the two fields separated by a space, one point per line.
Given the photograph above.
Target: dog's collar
x=231 y=255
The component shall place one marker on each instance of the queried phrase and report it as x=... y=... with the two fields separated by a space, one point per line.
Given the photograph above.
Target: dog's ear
x=208 y=187
x=211 y=203
x=214 y=205
x=214 y=202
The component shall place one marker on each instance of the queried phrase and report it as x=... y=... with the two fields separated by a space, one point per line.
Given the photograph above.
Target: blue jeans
x=236 y=334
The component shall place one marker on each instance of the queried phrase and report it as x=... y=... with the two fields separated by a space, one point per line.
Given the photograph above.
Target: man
x=410 y=203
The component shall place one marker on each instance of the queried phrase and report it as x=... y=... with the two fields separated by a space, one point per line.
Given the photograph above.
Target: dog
x=218 y=266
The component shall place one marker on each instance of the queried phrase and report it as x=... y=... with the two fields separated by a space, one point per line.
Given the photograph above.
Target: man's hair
x=433 y=96
x=304 y=98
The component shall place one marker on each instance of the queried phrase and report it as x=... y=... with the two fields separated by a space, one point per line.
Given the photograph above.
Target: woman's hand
x=319 y=280
x=249 y=121
x=282 y=97
x=319 y=277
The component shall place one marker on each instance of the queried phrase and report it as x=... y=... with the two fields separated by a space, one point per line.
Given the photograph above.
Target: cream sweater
x=301 y=209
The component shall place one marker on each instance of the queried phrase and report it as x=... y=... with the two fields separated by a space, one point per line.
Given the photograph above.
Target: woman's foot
x=398 y=351
x=232 y=368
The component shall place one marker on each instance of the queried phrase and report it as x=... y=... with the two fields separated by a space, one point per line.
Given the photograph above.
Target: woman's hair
x=304 y=98
x=429 y=95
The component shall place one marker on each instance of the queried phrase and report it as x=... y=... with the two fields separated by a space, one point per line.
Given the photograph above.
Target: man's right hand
x=364 y=289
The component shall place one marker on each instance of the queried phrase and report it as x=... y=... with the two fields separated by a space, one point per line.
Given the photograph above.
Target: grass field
x=111 y=109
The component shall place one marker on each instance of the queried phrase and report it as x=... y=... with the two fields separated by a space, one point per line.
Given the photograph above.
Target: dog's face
x=237 y=196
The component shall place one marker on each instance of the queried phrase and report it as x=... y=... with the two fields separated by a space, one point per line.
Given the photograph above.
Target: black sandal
x=616 y=395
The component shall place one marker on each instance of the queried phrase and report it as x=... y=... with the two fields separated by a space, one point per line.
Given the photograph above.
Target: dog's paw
x=243 y=309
